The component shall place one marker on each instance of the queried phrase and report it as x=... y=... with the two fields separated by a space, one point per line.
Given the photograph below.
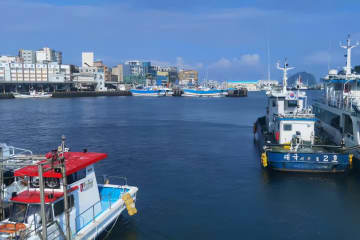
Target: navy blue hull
x=285 y=160
x=308 y=162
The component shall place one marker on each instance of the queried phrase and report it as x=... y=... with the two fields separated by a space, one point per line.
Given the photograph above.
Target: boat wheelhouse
x=286 y=135
x=63 y=199
x=338 y=111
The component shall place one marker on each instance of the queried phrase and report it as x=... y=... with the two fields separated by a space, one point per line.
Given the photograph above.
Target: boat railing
x=87 y=216
x=105 y=179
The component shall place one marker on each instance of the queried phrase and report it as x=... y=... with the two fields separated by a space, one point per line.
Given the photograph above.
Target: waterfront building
x=89 y=78
x=117 y=73
x=136 y=72
x=188 y=77
x=87 y=59
x=105 y=69
x=250 y=85
x=162 y=78
x=267 y=84
x=32 y=73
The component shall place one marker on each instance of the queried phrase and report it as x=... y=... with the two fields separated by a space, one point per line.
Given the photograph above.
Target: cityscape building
x=117 y=73
x=87 y=59
x=188 y=77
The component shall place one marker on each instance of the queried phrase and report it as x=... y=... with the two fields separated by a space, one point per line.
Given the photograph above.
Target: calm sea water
x=195 y=164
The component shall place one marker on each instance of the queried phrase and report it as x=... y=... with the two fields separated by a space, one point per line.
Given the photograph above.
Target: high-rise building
x=28 y=56
x=47 y=55
x=188 y=77
x=87 y=59
x=44 y=55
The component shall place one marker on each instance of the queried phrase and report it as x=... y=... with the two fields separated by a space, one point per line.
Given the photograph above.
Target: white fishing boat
x=63 y=200
x=32 y=94
x=338 y=111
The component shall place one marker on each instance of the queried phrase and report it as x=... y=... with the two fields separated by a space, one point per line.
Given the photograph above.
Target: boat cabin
x=288 y=117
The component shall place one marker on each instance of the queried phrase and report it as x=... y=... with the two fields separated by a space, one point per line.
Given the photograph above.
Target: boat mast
x=284 y=69
x=268 y=56
x=348 y=48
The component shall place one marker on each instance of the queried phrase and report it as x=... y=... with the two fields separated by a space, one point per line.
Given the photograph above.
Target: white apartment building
x=28 y=56
x=44 y=55
x=9 y=59
x=87 y=59
x=23 y=72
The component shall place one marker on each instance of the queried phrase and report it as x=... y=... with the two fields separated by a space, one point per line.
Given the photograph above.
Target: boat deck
x=109 y=196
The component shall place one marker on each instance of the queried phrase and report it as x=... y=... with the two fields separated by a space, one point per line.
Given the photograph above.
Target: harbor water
x=195 y=164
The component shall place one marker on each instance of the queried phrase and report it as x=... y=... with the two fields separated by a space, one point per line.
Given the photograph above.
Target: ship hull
x=287 y=160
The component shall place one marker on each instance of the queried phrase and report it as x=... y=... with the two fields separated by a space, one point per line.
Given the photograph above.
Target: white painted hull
x=203 y=95
x=94 y=229
x=147 y=94
x=32 y=96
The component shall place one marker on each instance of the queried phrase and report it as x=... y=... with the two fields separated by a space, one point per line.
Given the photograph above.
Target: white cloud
x=246 y=60
x=250 y=59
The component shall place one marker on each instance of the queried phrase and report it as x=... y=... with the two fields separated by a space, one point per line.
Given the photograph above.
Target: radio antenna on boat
x=284 y=69
x=348 y=48
x=268 y=58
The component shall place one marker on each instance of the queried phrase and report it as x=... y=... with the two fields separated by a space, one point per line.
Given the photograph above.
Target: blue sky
x=227 y=39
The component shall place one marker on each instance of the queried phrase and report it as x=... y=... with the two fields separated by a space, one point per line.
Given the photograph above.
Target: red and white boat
x=39 y=210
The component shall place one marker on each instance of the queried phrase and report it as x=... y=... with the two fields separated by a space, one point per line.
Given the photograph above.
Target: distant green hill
x=306 y=78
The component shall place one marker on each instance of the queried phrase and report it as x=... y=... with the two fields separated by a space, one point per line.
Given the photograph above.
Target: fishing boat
x=338 y=110
x=300 y=84
x=146 y=91
x=32 y=94
x=286 y=135
x=63 y=199
x=203 y=92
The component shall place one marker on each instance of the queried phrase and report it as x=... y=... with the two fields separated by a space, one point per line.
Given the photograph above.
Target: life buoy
x=12 y=227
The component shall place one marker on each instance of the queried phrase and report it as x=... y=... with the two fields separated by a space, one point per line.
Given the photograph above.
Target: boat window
x=18 y=212
x=348 y=126
x=76 y=176
x=33 y=215
x=287 y=127
x=292 y=103
x=274 y=103
x=59 y=206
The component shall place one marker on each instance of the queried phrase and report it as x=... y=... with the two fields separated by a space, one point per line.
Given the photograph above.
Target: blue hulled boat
x=286 y=135
x=203 y=92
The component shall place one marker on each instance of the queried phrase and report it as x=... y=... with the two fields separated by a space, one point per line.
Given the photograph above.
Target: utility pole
x=64 y=179
x=42 y=202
